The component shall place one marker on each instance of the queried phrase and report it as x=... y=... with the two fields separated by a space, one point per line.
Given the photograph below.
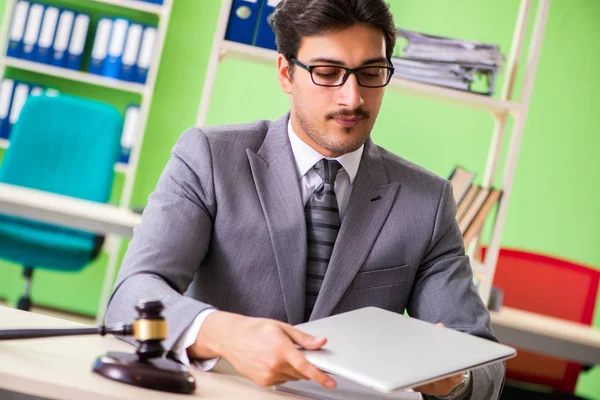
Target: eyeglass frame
x=349 y=71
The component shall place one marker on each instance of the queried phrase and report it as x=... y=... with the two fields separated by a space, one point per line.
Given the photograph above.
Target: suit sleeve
x=444 y=292
x=171 y=241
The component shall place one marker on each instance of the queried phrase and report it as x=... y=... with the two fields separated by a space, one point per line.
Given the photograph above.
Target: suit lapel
x=275 y=177
x=369 y=205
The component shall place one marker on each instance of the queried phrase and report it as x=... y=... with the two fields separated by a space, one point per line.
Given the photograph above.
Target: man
x=254 y=228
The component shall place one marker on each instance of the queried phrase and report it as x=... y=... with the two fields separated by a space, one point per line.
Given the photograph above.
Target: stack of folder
x=474 y=203
x=122 y=50
x=454 y=63
x=48 y=35
x=13 y=95
x=249 y=23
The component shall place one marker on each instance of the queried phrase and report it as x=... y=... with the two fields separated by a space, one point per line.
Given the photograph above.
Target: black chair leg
x=25 y=302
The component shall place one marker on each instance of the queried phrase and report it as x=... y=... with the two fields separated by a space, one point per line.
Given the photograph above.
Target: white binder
x=63 y=35
x=47 y=34
x=32 y=30
x=145 y=56
x=129 y=132
x=19 y=98
x=112 y=65
x=80 y=30
x=17 y=29
x=100 y=45
x=36 y=91
x=6 y=91
x=132 y=48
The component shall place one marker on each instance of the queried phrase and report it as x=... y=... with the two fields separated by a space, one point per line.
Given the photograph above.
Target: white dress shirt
x=306 y=157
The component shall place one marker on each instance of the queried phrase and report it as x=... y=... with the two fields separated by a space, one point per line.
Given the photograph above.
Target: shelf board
x=134 y=5
x=72 y=75
x=453 y=96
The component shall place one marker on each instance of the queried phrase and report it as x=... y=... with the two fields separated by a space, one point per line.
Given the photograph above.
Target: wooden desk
x=552 y=336
x=61 y=368
x=68 y=211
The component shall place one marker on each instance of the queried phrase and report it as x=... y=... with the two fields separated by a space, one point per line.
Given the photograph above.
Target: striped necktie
x=322 y=226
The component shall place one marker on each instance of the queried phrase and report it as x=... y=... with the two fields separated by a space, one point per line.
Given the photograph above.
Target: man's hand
x=441 y=387
x=261 y=349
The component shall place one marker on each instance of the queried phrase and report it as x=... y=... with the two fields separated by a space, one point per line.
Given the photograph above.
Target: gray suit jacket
x=225 y=228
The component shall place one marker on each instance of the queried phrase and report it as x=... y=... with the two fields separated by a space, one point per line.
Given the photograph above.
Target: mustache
x=358 y=113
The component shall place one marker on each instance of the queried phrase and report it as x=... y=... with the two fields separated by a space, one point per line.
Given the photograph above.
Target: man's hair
x=294 y=19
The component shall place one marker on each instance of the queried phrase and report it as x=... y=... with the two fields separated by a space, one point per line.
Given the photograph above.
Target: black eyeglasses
x=333 y=75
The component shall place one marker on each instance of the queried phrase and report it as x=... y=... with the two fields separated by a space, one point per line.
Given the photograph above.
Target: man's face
x=335 y=120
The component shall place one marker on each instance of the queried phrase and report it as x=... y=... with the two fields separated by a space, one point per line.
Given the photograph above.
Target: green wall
x=554 y=202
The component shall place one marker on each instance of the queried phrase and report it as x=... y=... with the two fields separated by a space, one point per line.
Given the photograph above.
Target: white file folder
x=17 y=29
x=100 y=45
x=80 y=30
x=63 y=35
x=6 y=92
x=112 y=65
x=132 y=49
x=32 y=30
x=145 y=57
x=47 y=31
x=19 y=99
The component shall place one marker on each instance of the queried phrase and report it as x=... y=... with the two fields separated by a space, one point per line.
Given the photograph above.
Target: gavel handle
x=18 y=334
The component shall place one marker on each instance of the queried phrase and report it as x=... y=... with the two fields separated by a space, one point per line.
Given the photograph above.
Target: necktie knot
x=327 y=170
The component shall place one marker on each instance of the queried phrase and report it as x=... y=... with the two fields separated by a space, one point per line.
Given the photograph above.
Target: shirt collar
x=306 y=157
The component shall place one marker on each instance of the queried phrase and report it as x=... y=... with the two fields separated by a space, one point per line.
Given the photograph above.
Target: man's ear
x=283 y=74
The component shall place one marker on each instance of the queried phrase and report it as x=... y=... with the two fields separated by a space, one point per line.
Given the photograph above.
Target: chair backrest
x=548 y=286
x=66 y=145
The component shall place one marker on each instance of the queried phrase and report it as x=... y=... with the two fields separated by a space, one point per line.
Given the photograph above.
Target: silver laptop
x=387 y=351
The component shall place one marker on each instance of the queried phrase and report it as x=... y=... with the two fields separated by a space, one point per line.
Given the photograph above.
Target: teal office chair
x=65 y=145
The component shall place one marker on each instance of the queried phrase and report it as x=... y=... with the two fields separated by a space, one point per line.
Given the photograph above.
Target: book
x=473 y=209
x=482 y=214
x=464 y=204
x=461 y=179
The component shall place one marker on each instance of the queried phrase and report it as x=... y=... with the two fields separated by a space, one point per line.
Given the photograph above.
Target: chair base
x=24 y=303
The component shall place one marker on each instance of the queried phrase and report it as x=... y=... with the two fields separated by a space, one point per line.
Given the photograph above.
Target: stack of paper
x=459 y=64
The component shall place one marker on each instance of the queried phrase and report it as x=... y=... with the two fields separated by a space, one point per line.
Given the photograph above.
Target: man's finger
x=305 y=340
x=301 y=364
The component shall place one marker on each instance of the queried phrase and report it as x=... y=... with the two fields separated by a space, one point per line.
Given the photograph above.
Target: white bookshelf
x=246 y=52
x=76 y=76
x=137 y=5
x=145 y=92
x=500 y=109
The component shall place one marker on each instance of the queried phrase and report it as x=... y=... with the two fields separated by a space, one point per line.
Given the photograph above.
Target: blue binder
x=77 y=42
x=116 y=45
x=100 y=47
x=131 y=52
x=129 y=133
x=32 y=31
x=47 y=35
x=264 y=35
x=19 y=97
x=17 y=29
x=144 y=61
x=7 y=89
x=62 y=38
x=243 y=19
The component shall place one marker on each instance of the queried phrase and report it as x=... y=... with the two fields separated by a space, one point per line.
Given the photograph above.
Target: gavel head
x=149 y=329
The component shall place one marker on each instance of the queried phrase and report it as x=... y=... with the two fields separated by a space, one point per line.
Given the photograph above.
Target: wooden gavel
x=146 y=368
